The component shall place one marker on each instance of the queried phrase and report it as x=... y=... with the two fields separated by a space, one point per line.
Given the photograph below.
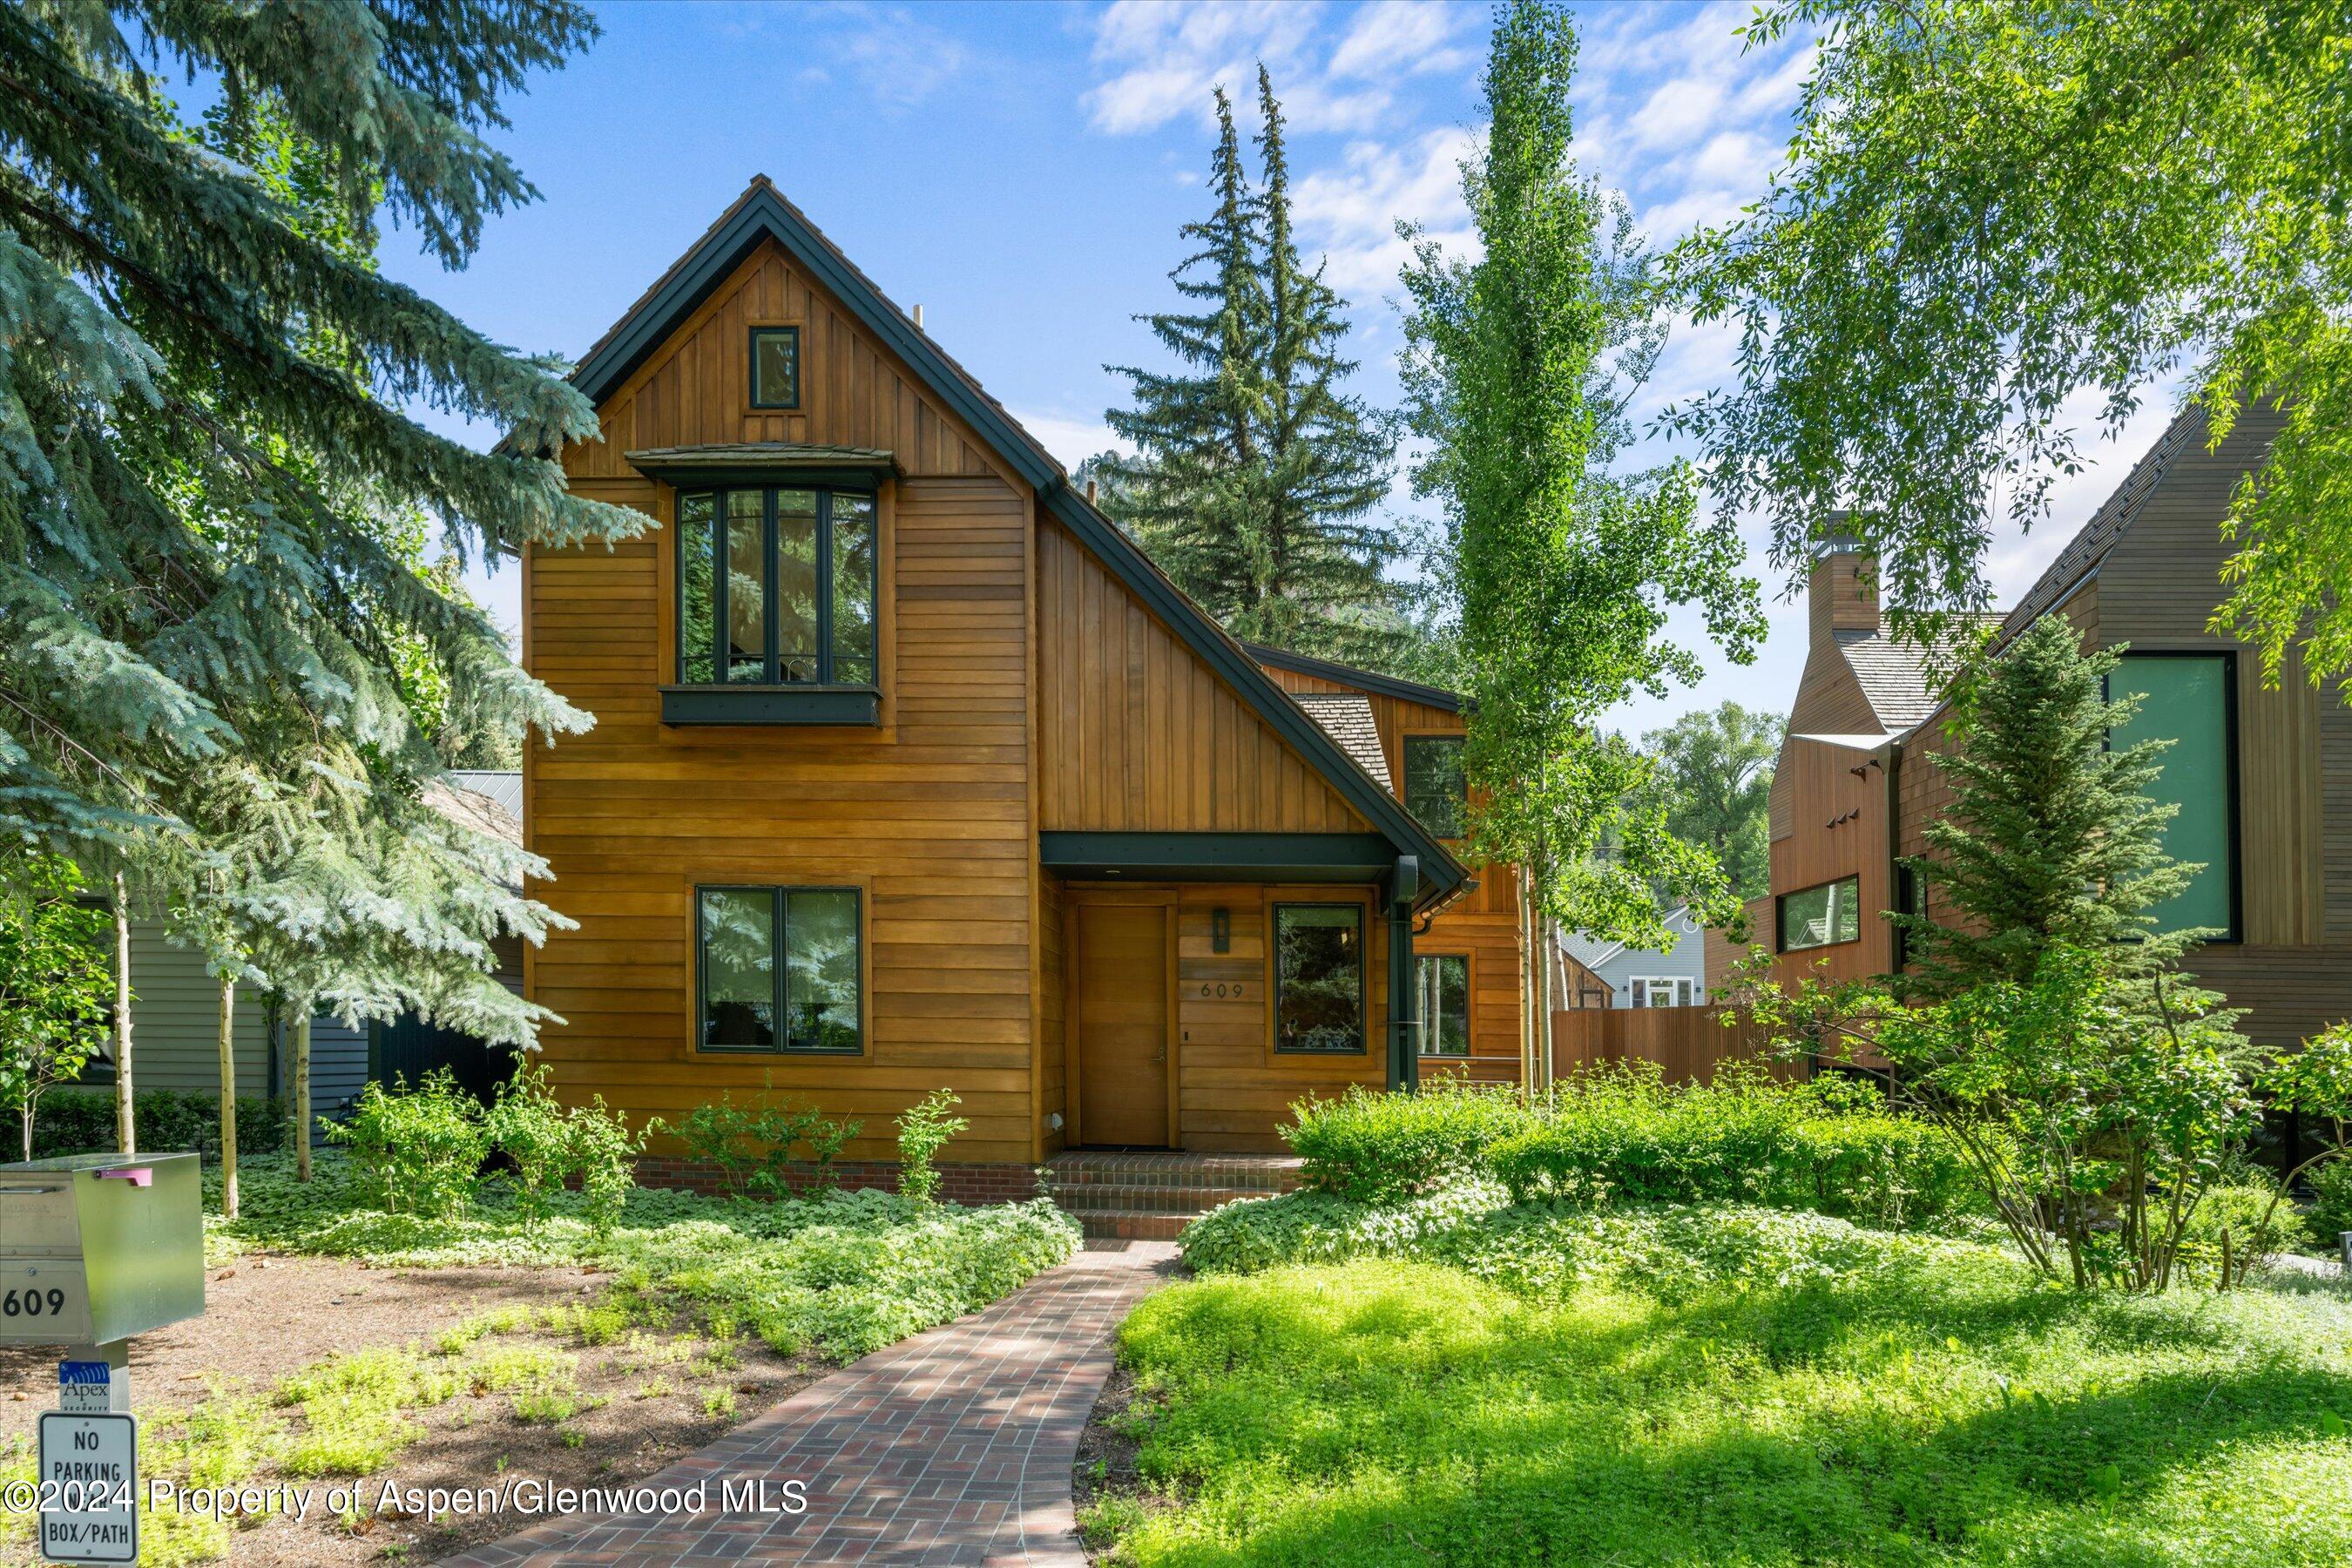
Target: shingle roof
x=1895 y=677
x=1348 y=720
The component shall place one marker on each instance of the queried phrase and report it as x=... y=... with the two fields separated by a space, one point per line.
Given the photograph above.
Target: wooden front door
x=1121 y=1020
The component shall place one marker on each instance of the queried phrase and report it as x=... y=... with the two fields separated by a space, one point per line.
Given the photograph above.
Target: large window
x=780 y=969
x=776 y=588
x=1822 y=916
x=776 y=367
x=1436 y=790
x=1319 y=977
x=1441 y=1003
x=2187 y=699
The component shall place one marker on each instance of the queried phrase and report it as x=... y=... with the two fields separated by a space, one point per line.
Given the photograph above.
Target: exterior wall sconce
x=1220 y=930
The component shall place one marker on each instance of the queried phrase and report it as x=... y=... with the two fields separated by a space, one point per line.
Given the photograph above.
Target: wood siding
x=1483 y=922
x=1840 y=821
x=1136 y=734
x=929 y=816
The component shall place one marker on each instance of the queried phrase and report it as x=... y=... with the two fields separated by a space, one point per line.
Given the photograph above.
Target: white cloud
x=1072 y=440
x=1351 y=211
x=1166 y=58
x=1411 y=36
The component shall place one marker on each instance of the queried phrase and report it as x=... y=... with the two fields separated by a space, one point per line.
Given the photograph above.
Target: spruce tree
x=2052 y=838
x=1255 y=476
x=222 y=663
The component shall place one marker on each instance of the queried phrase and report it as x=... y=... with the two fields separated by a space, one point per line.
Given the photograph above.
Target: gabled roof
x=1363 y=679
x=1897 y=677
x=1346 y=717
x=1593 y=952
x=2098 y=538
x=762 y=215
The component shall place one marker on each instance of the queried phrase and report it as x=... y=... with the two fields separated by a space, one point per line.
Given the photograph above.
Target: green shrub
x=2331 y=1202
x=551 y=1146
x=2238 y=1211
x=753 y=1149
x=1372 y=1147
x=923 y=1132
x=421 y=1149
x=80 y=1121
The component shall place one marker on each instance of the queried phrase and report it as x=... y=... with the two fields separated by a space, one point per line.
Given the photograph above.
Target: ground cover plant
x=1824 y=1407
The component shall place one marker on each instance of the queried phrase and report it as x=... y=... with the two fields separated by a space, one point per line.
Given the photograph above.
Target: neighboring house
x=1596 y=972
x=175 y=1007
x=912 y=772
x=2263 y=778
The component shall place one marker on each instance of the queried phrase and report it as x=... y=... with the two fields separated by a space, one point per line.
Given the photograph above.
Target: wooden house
x=2263 y=777
x=912 y=772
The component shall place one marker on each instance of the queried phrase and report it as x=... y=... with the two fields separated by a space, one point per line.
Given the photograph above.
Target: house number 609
x=1223 y=990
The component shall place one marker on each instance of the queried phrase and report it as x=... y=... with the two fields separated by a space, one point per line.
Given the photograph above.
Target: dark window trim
x=1404 y=779
x=1364 y=978
x=1427 y=1034
x=2229 y=657
x=779 y=970
x=753 y=349
x=1780 y=924
x=843 y=706
x=720 y=588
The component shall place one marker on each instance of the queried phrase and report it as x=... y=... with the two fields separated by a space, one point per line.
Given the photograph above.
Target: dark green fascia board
x=1220 y=857
x=1349 y=674
x=1441 y=872
x=763 y=214
x=853 y=706
x=682 y=477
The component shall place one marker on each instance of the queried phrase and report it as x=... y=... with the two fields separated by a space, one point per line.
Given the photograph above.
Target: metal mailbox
x=97 y=1247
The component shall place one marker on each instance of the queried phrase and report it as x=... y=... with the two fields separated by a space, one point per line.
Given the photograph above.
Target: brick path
x=955 y=1447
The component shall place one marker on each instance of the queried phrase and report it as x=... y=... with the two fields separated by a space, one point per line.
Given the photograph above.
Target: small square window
x=776 y=367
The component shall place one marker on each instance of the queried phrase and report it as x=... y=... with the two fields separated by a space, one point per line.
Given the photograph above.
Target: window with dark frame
x=776 y=367
x=1441 y=1003
x=1824 y=916
x=776 y=587
x=1436 y=790
x=779 y=969
x=2189 y=698
x=1318 y=978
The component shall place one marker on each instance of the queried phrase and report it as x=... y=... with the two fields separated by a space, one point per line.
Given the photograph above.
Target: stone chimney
x=1843 y=594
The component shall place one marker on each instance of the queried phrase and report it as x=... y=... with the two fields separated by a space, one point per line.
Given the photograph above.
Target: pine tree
x=1256 y=475
x=2050 y=838
x=212 y=639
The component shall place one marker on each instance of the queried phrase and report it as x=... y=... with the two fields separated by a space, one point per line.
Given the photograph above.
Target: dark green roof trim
x=772 y=458
x=1362 y=680
x=1441 y=872
x=859 y=706
x=1220 y=857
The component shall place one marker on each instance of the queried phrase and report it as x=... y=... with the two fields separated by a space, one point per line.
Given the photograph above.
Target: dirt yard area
x=627 y=1408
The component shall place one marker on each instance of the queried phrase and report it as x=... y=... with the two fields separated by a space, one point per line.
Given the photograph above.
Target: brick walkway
x=955 y=1447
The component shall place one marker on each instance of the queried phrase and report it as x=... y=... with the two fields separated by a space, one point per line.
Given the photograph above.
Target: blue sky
x=1022 y=170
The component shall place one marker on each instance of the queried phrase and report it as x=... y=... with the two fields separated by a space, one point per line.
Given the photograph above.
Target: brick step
x=1135 y=1226
x=1082 y=1199
x=1264 y=1175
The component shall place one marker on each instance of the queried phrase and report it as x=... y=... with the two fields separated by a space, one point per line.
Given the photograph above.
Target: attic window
x=776 y=367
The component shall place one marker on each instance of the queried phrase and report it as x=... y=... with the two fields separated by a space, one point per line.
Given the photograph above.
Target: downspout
x=1404 y=1047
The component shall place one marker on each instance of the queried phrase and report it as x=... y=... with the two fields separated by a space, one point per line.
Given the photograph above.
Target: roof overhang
x=1220 y=857
x=764 y=462
x=1361 y=680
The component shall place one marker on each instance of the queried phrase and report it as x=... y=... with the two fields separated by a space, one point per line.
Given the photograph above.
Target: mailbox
x=97 y=1247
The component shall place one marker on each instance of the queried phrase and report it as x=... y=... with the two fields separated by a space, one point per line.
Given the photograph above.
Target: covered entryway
x=1120 y=1024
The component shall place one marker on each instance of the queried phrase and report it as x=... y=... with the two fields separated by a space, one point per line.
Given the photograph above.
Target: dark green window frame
x=2231 y=874
x=1442 y=810
x=778 y=970
x=1432 y=1035
x=761 y=333
x=1358 y=1045
x=713 y=539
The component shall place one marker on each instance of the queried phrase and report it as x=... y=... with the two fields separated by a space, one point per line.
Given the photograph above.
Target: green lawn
x=1941 y=1406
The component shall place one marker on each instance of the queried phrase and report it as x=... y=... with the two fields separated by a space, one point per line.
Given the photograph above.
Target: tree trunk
x=302 y=1096
x=27 y=1112
x=228 y=1096
x=1548 y=949
x=126 y=1133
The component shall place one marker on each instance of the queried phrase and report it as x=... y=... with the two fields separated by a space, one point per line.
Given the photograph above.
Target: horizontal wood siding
x=929 y=815
x=1136 y=734
x=175 y=1020
x=1052 y=978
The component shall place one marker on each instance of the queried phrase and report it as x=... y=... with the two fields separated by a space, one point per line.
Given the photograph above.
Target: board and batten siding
x=929 y=815
x=1481 y=925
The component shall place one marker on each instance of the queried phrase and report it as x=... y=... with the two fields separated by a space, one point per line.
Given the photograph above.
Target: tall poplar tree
x=1518 y=368
x=211 y=634
x=1258 y=476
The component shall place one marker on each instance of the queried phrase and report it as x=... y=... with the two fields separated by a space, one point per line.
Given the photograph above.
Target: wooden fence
x=1687 y=1042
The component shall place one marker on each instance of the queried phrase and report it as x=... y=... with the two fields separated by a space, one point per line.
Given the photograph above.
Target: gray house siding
x=1618 y=967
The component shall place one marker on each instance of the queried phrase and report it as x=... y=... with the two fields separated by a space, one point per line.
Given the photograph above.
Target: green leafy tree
x=1714 y=779
x=1256 y=476
x=55 y=981
x=1991 y=206
x=214 y=638
x=1563 y=560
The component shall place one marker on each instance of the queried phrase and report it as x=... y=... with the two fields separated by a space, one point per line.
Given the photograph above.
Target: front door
x=1122 y=965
